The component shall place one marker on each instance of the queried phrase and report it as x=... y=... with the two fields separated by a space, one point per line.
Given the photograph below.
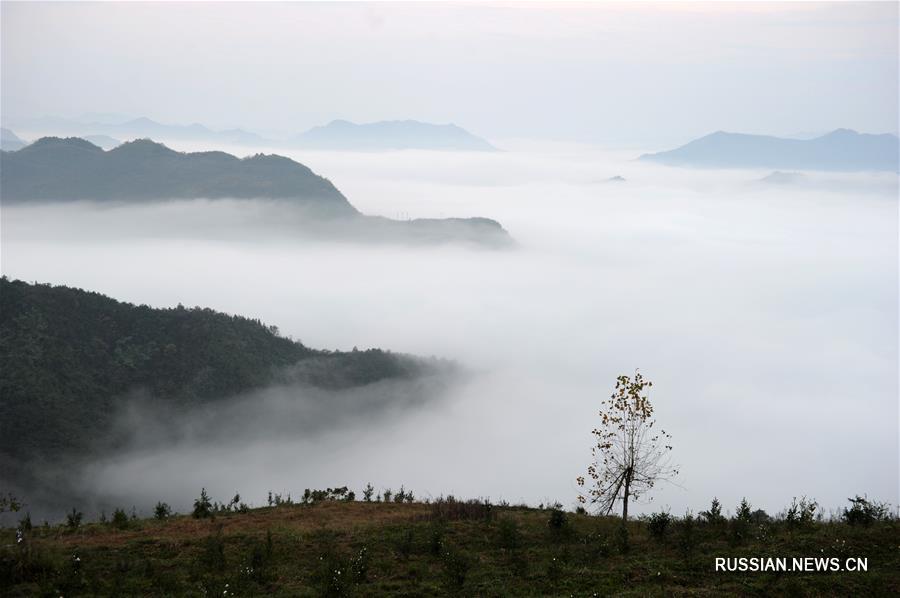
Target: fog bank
x=765 y=315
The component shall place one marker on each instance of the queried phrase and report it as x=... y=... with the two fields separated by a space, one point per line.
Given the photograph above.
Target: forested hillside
x=70 y=355
x=54 y=169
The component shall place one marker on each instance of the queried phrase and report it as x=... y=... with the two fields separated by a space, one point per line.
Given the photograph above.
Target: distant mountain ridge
x=390 y=135
x=53 y=168
x=840 y=150
x=142 y=127
x=338 y=134
x=9 y=141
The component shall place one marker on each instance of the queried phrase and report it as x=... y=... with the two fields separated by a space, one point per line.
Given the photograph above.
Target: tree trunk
x=625 y=497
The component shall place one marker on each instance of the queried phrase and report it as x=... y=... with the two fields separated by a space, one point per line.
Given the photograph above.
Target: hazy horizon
x=635 y=75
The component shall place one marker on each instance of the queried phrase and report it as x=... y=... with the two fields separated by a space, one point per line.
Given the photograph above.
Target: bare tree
x=630 y=455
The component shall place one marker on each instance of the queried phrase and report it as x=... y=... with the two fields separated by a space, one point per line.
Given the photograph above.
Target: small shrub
x=658 y=524
x=714 y=515
x=9 y=503
x=759 y=516
x=436 y=537
x=554 y=572
x=329 y=494
x=202 y=506
x=509 y=536
x=595 y=547
x=25 y=523
x=278 y=500
x=764 y=534
x=213 y=555
x=73 y=519
x=740 y=525
x=260 y=557
x=404 y=543
x=800 y=514
x=368 y=491
x=558 y=521
x=387 y=494
x=359 y=565
x=450 y=509
x=332 y=577
x=162 y=511
x=120 y=519
x=687 y=540
x=456 y=568
x=622 y=541
x=744 y=512
x=864 y=512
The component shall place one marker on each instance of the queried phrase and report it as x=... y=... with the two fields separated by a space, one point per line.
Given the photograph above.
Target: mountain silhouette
x=9 y=141
x=53 y=168
x=840 y=150
x=390 y=135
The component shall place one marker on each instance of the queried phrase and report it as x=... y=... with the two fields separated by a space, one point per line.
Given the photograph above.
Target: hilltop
x=390 y=135
x=54 y=168
x=71 y=357
x=840 y=150
x=9 y=141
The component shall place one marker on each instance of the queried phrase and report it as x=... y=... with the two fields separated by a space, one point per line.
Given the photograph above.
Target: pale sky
x=646 y=74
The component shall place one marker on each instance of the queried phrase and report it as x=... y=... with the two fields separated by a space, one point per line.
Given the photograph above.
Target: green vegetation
x=337 y=547
x=71 y=356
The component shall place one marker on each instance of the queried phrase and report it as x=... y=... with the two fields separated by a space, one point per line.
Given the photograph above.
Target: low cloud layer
x=766 y=316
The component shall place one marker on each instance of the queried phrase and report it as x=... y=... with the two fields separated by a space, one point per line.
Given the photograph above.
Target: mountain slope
x=57 y=170
x=840 y=150
x=390 y=135
x=70 y=357
x=52 y=168
x=9 y=141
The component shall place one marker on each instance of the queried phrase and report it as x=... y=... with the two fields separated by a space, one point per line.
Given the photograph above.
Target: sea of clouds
x=766 y=316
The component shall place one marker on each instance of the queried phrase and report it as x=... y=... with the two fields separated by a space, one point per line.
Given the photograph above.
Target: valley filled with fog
x=764 y=313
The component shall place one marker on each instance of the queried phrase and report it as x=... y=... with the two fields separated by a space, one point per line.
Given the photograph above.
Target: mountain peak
x=391 y=135
x=146 y=170
x=64 y=142
x=143 y=146
x=845 y=133
x=141 y=120
x=841 y=150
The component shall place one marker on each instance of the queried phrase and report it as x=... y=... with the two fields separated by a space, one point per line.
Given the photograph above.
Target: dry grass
x=415 y=550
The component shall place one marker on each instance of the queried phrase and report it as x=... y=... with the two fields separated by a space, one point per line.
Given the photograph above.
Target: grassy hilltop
x=332 y=546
